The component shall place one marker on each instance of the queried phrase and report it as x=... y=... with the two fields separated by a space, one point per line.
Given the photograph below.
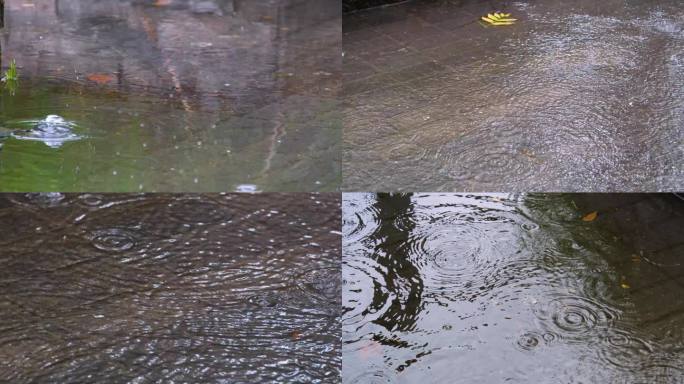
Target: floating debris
x=590 y=216
x=498 y=18
x=100 y=78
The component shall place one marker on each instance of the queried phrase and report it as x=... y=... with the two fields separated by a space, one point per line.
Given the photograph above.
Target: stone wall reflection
x=235 y=55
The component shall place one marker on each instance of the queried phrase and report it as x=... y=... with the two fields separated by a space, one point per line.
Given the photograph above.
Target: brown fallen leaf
x=162 y=3
x=100 y=78
x=528 y=152
x=590 y=216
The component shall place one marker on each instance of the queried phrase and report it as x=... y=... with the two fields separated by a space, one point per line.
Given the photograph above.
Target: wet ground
x=576 y=96
x=512 y=288
x=355 y=5
x=173 y=95
x=230 y=288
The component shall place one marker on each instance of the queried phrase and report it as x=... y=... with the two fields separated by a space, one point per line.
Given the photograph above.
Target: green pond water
x=123 y=142
x=218 y=95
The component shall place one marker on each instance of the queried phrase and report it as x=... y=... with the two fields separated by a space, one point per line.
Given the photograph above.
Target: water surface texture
x=173 y=95
x=512 y=288
x=232 y=288
x=576 y=96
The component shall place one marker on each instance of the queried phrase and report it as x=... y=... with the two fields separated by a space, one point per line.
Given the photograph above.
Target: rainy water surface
x=170 y=288
x=576 y=96
x=178 y=95
x=444 y=288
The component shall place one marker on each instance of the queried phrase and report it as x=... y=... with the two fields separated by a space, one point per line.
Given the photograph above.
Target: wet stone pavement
x=512 y=288
x=178 y=95
x=230 y=288
x=576 y=96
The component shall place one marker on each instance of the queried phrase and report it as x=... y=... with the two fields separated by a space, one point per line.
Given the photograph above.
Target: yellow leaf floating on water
x=590 y=216
x=623 y=283
x=498 y=18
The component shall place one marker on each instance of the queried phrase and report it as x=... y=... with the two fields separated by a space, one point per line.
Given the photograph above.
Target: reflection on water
x=577 y=96
x=179 y=95
x=161 y=288
x=495 y=288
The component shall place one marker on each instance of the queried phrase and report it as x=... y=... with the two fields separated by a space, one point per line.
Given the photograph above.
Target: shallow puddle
x=574 y=96
x=178 y=95
x=512 y=288
x=175 y=288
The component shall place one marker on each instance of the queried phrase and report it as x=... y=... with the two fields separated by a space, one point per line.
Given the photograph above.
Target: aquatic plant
x=11 y=74
x=11 y=86
x=11 y=78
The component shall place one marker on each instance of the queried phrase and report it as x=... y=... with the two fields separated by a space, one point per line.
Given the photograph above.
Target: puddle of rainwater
x=210 y=288
x=576 y=96
x=496 y=288
x=156 y=103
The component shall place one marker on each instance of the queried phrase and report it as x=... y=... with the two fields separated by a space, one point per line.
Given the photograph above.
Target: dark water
x=512 y=288
x=227 y=288
x=577 y=96
x=186 y=95
x=355 y=5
